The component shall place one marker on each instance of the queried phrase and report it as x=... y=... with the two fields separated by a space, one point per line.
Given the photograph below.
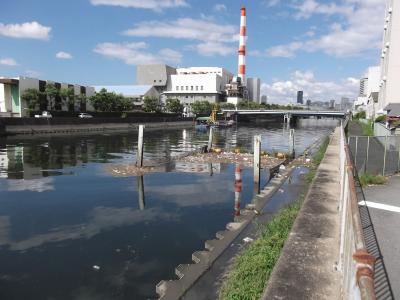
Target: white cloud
x=284 y=91
x=284 y=50
x=156 y=5
x=214 y=38
x=8 y=61
x=220 y=7
x=63 y=55
x=309 y=7
x=28 y=30
x=133 y=54
x=271 y=3
x=360 y=31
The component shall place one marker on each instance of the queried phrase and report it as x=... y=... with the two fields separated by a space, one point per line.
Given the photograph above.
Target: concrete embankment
x=307 y=266
x=87 y=127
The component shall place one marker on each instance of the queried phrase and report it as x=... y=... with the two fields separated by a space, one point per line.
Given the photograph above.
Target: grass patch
x=367 y=128
x=253 y=267
x=367 y=179
x=316 y=160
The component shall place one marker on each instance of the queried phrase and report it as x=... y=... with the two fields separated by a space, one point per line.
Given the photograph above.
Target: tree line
x=104 y=101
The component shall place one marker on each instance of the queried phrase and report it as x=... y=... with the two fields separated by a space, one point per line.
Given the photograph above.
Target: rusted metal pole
x=139 y=160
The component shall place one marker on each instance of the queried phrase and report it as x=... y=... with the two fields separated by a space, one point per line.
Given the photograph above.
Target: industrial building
x=11 y=89
x=198 y=84
x=389 y=92
x=136 y=93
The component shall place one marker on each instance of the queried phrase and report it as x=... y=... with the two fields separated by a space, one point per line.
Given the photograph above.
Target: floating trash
x=96 y=267
x=247 y=239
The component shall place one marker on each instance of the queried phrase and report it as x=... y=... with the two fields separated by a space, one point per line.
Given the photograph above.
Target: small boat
x=202 y=123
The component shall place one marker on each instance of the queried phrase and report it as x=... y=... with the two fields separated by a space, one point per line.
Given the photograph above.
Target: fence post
x=398 y=149
x=210 y=140
x=355 y=156
x=257 y=163
x=366 y=159
x=384 y=156
x=139 y=160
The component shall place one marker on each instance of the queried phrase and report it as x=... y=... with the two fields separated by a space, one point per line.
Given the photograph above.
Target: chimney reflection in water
x=238 y=189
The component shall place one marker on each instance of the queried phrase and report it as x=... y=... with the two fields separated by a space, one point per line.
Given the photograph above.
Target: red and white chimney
x=242 y=46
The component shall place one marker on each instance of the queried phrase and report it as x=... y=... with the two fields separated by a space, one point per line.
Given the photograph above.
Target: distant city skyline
x=320 y=47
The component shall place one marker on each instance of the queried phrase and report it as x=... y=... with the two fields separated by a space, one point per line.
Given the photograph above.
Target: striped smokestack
x=242 y=46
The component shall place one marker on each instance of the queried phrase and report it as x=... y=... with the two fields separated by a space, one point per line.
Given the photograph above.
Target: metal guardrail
x=356 y=264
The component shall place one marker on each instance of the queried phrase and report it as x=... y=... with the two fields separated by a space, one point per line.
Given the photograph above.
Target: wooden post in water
x=139 y=160
x=140 y=186
x=257 y=163
x=291 y=143
x=210 y=140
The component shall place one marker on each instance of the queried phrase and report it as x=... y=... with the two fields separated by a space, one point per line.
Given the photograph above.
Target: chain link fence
x=376 y=154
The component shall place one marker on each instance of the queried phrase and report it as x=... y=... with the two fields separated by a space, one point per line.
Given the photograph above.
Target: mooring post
x=140 y=185
x=257 y=163
x=291 y=143
x=210 y=140
x=139 y=160
x=238 y=189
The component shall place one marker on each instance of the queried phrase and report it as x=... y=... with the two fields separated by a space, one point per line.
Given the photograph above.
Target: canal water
x=71 y=230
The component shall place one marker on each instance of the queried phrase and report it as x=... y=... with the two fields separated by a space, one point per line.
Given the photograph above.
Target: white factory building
x=389 y=92
x=198 y=84
x=11 y=89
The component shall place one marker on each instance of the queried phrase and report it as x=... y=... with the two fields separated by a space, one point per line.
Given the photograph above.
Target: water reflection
x=54 y=227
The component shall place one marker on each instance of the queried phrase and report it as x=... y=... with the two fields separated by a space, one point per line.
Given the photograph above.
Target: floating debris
x=96 y=267
x=248 y=239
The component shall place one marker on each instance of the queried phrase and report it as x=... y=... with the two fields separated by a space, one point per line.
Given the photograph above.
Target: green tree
x=68 y=97
x=227 y=105
x=52 y=92
x=174 y=105
x=150 y=104
x=31 y=97
x=107 y=102
x=248 y=105
x=123 y=103
x=201 y=107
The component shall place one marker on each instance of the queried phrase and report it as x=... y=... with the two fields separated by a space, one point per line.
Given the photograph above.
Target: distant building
x=300 y=97
x=135 y=93
x=264 y=99
x=253 y=89
x=345 y=103
x=158 y=75
x=390 y=59
x=308 y=103
x=11 y=90
x=368 y=84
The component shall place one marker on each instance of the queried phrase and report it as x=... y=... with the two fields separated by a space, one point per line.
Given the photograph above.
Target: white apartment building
x=369 y=84
x=389 y=92
x=11 y=89
x=198 y=84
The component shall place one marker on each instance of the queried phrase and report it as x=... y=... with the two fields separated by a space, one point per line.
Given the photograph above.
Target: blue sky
x=322 y=47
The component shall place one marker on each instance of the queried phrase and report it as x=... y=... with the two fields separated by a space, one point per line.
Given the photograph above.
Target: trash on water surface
x=282 y=167
x=247 y=239
x=281 y=191
x=308 y=159
x=96 y=267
